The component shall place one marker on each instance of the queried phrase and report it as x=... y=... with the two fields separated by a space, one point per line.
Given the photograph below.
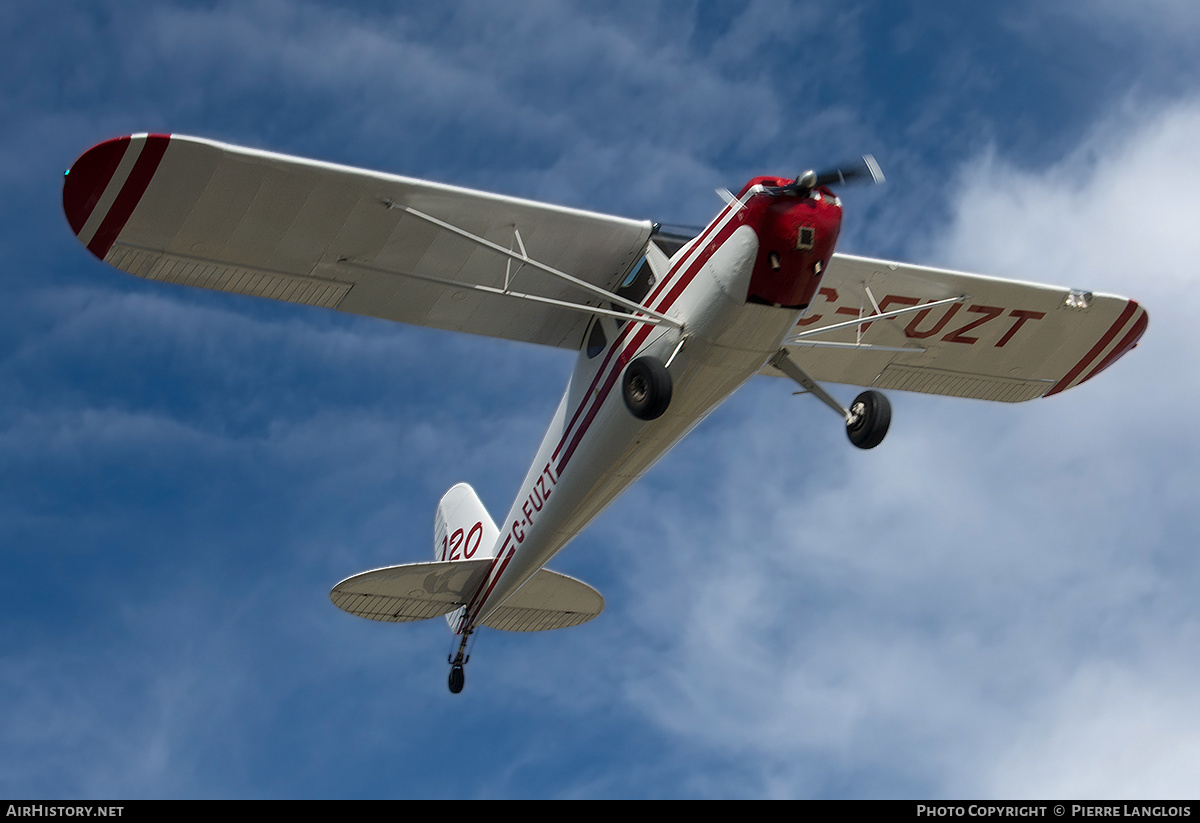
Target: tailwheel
x=647 y=388
x=868 y=420
x=457 y=678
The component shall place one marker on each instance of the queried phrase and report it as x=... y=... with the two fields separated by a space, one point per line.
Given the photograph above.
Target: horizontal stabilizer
x=548 y=601
x=418 y=591
x=414 y=591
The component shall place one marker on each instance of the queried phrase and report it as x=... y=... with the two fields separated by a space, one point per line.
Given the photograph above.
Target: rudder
x=462 y=528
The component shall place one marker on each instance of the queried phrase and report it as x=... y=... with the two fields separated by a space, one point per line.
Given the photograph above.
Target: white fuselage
x=595 y=448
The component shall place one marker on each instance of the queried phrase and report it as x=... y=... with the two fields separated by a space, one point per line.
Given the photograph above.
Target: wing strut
x=653 y=318
x=534 y=298
x=800 y=337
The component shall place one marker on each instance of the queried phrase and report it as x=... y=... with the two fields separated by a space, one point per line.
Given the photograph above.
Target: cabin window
x=638 y=283
x=595 y=339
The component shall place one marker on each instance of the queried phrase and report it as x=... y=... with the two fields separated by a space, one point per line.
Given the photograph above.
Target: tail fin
x=462 y=529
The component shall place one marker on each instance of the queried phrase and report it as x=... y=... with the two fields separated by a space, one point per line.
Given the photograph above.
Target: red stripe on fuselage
x=476 y=603
x=481 y=596
x=677 y=289
x=131 y=193
x=1119 y=324
x=622 y=361
x=625 y=332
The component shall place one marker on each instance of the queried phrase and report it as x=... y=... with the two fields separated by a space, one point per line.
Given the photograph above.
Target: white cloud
x=1111 y=731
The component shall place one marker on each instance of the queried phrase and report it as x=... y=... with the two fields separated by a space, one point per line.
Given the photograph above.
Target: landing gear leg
x=457 y=676
x=868 y=417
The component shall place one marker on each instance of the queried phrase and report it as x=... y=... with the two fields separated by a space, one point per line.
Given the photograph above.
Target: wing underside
x=958 y=334
x=202 y=213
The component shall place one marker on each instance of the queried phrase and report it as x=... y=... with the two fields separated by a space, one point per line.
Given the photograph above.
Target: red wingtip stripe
x=130 y=195
x=1095 y=351
x=1127 y=342
x=88 y=178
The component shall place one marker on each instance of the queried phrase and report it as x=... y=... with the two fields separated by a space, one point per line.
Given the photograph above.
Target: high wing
x=957 y=334
x=202 y=213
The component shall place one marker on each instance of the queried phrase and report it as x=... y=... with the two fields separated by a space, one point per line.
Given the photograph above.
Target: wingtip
x=1127 y=343
x=1126 y=330
x=90 y=178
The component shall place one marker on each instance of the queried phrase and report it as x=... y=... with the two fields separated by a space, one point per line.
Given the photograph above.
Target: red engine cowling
x=797 y=233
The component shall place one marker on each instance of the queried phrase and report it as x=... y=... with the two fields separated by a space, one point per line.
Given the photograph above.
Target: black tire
x=647 y=388
x=457 y=679
x=872 y=415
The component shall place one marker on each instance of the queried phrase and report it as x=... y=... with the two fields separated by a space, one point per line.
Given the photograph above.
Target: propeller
x=864 y=170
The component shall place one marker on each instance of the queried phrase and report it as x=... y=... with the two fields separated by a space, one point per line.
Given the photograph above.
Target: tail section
x=465 y=543
x=462 y=529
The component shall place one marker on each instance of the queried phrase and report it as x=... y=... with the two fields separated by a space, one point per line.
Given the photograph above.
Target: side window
x=636 y=286
x=639 y=282
x=595 y=339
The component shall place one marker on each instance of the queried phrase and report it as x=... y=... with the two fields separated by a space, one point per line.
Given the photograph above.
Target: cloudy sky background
x=1000 y=601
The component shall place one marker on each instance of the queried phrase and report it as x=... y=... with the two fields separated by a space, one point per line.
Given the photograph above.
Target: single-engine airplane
x=666 y=325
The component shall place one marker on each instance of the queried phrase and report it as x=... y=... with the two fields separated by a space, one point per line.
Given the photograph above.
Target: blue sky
x=997 y=602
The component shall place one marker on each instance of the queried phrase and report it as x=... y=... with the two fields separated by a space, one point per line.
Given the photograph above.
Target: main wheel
x=871 y=414
x=647 y=388
x=457 y=679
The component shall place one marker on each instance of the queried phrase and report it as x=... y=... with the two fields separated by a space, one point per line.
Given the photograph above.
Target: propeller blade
x=865 y=170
